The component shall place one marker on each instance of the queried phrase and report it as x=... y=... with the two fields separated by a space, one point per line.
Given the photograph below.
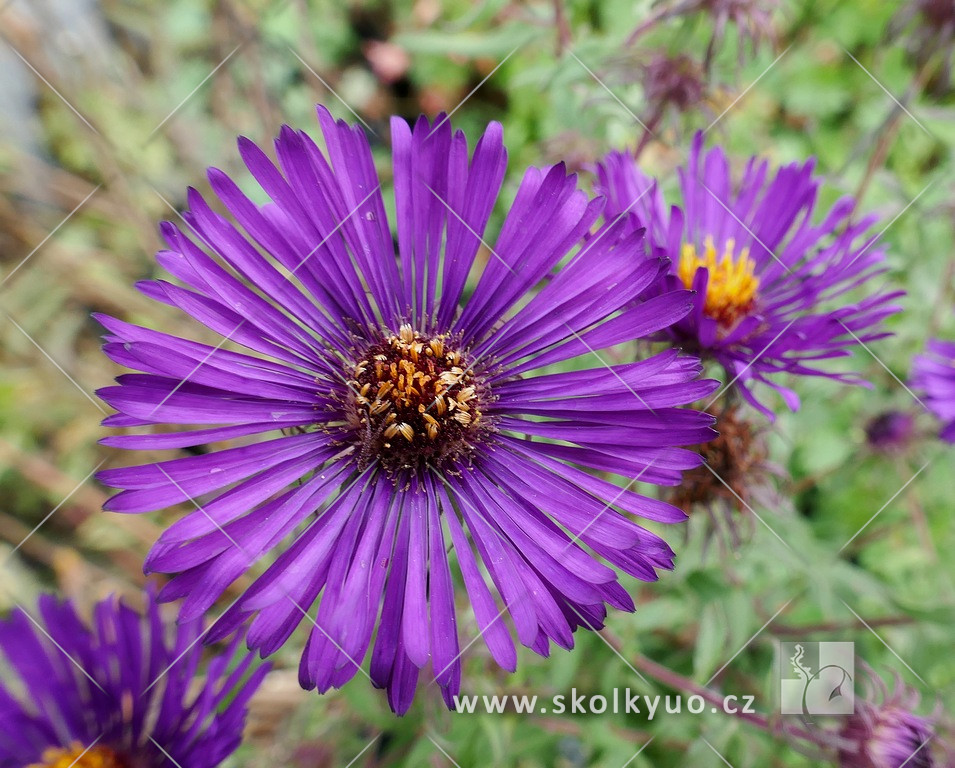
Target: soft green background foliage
x=151 y=118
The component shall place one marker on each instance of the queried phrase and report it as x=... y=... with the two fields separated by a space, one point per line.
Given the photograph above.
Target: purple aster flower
x=763 y=272
x=422 y=432
x=934 y=375
x=117 y=693
x=888 y=734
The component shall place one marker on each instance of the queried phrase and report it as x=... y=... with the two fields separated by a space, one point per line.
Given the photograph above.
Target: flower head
x=117 y=693
x=736 y=474
x=762 y=270
x=736 y=462
x=888 y=734
x=423 y=433
x=934 y=375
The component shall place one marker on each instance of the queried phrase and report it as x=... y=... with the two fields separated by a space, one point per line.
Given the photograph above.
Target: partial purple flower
x=933 y=375
x=120 y=692
x=763 y=272
x=888 y=733
x=426 y=427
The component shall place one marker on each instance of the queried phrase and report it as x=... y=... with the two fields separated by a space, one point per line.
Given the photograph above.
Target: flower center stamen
x=414 y=400
x=78 y=756
x=732 y=284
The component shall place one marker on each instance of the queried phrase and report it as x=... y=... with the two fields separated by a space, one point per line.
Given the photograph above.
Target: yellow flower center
x=78 y=756
x=731 y=287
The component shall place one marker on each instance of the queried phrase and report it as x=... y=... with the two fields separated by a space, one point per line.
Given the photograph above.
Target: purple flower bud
x=887 y=734
x=890 y=432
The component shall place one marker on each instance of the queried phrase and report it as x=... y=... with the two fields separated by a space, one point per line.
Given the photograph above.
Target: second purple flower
x=771 y=283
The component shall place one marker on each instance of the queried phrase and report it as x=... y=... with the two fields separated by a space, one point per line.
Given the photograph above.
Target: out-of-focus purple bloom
x=890 y=432
x=764 y=273
x=931 y=25
x=119 y=693
x=753 y=20
x=934 y=375
x=420 y=419
x=672 y=81
x=888 y=733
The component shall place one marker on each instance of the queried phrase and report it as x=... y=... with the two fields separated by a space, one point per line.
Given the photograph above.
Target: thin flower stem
x=942 y=306
x=649 y=131
x=889 y=130
x=563 y=27
x=920 y=520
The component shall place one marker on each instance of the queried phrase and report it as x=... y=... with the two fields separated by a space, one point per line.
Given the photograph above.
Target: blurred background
x=110 y=110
